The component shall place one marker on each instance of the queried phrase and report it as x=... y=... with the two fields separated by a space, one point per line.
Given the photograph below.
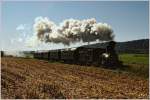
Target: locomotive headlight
x=106 y=55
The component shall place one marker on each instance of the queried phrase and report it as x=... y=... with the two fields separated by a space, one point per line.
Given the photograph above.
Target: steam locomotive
x=106 y=56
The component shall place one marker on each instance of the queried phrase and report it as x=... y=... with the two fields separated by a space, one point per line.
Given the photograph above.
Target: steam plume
x=71 y=31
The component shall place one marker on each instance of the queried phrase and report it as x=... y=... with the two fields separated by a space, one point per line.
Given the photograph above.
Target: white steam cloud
x=71 y=31
x=14 y=53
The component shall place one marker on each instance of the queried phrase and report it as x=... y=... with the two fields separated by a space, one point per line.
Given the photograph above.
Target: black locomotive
x=106 y=56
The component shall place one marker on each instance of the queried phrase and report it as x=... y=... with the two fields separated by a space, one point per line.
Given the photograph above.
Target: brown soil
x=33 y=79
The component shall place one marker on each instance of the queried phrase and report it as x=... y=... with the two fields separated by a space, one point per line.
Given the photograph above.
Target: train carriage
x=68 y=55
x=84 y=55
x=38 y=55
x=55 y=55
x=46 y=55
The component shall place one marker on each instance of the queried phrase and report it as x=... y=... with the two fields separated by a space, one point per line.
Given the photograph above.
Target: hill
x=134 y=46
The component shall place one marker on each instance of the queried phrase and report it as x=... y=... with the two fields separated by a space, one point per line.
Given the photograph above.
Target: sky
x=128 y=19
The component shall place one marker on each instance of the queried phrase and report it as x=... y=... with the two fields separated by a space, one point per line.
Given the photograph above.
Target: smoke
x=71 y=31
x=14 y=53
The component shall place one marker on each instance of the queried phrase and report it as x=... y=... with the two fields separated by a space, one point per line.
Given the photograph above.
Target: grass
x=136 y=63
x=134 y=58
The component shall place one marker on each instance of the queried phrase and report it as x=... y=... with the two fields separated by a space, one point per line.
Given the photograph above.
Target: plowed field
x=32 y=78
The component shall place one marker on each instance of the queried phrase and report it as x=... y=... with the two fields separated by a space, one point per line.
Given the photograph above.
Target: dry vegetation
x=31 y=78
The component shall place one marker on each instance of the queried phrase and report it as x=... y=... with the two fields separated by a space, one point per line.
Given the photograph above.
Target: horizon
x=128 y=19
x=69 y=47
